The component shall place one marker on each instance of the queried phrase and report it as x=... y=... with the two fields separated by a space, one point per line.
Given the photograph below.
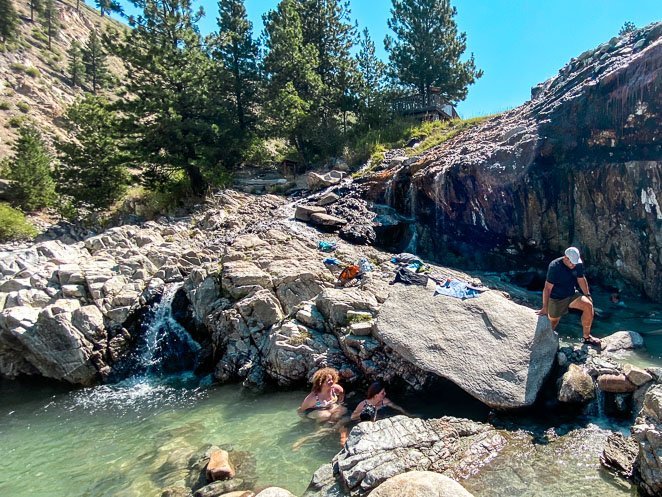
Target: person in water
x=324 y=402
x=376 y=399
x=564 y=275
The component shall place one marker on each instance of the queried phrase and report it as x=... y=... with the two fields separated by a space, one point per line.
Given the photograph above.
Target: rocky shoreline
x=267 y=311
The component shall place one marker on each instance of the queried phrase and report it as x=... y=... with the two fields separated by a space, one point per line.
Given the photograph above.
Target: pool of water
x=112 y=441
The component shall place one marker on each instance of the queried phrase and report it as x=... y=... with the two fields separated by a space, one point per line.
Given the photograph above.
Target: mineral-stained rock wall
x=581 y=163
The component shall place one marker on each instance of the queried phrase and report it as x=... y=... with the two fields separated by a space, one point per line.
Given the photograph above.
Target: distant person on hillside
x=376 y=399
x=564 y=276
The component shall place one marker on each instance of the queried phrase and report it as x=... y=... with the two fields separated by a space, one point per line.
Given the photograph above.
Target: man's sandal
x=591 y=340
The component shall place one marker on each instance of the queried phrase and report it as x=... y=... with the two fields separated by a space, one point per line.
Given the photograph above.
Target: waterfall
x=164 y=347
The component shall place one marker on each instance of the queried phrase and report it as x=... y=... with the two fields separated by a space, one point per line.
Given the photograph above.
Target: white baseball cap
x=572 y=253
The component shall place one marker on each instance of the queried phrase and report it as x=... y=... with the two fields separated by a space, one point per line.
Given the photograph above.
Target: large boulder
x=497 y=351
x=375 y=452
x=420 y=484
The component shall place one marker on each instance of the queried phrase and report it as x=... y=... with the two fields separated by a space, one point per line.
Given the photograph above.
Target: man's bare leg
x=585 y=305
x=554 y=322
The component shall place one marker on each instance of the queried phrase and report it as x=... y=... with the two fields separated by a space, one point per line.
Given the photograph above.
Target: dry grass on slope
x=34 y=81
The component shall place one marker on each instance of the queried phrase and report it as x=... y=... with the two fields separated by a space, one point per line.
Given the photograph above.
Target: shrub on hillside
x=13 y=225
x=4 y=105
x=16 y=121
x=23 y=106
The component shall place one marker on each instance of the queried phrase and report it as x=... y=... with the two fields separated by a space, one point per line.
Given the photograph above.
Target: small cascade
x=164 y=348
x=410 y=202
x=389 y=196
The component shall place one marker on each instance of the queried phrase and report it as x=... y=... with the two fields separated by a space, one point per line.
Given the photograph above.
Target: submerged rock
x=375 y=452
x=495 y=350
x=420 y=484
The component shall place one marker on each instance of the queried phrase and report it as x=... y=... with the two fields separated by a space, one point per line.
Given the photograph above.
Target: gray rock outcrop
x=577 y=164
x=647 y=431
x=375 y=452
x=494 y=349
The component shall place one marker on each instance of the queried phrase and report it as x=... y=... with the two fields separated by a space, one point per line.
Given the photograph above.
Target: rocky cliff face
x=579 y=164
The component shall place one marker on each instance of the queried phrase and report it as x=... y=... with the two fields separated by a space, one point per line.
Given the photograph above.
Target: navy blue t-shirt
x=563 y=278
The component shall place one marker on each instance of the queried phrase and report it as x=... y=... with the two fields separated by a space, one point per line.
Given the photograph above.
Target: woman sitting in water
x=324 y=402
x=367 y=409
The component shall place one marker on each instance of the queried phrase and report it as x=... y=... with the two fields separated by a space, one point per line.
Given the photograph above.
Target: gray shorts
x=559 y=307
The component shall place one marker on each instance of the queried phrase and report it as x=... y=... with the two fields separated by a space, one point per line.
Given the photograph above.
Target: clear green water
x=113 y=441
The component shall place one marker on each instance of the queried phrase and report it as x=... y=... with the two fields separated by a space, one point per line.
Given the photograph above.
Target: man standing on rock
x=564 y=275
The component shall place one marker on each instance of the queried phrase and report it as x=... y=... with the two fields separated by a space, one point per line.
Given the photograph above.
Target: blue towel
x=458 y=289
x=332 y=261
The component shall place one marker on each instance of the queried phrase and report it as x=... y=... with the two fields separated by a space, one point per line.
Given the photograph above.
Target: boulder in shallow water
x=622 y=341
x=219 y=488
x=219 y=467
x=647 y=431
x=327 y=220
x=420 y=484
x=494 y=349
x=375 y=452
x=619 y=454
x=576 y=386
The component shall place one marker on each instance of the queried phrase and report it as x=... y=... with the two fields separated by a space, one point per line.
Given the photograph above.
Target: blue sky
x=517 y=43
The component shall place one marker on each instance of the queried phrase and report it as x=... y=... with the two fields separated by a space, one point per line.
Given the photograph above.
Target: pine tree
x=33 y=186
x=94 y=61
x=35 y=6
x=76 y=66
x=8 y=20
x=233 y=46
x=294 y=84
x=371 y=86
x=169 y=123
x=328 y=28
x=426 y=49
x=91 y=170
x=108 y=6
x=51 y=21
x=628 y=27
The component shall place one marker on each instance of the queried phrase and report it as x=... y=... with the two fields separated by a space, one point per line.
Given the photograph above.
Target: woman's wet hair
x=375 y=388
x=319 y=378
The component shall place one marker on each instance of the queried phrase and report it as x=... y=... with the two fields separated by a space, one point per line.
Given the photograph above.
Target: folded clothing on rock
x=458 y=289
x=405 y=258
x=408 y=277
